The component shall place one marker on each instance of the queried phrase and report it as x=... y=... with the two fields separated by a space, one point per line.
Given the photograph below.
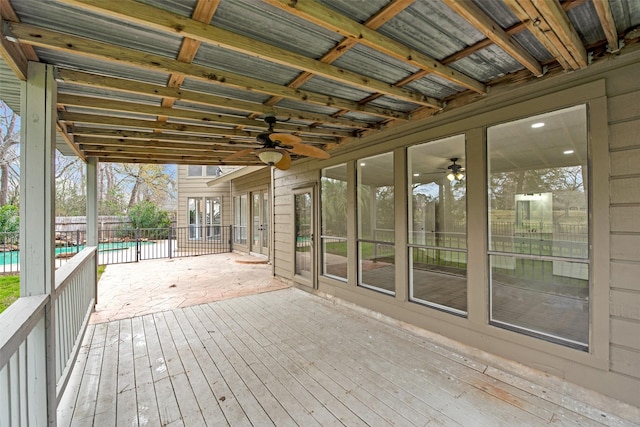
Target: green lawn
x=9 y=291
x=10 y=288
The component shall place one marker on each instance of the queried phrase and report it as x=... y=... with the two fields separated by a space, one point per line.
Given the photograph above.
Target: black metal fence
x=125 y=244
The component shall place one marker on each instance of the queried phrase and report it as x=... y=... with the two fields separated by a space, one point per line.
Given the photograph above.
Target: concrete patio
x=290 y=358
x=136 y=289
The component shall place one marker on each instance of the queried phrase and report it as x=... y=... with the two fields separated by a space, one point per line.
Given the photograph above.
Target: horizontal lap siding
x=624 y=145
x=285 y=183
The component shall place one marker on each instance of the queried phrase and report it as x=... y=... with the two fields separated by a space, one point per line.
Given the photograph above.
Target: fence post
x=77 y=240
x=231 y=238
x=137 y=244
x=169 y=242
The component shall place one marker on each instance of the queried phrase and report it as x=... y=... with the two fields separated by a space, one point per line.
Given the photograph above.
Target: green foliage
x=146 y=214
x=9 y=291
x=113 y=203
x=9 y=219
x=10 y=288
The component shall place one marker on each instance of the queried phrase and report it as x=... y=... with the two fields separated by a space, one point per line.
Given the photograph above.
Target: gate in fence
x=126 y=244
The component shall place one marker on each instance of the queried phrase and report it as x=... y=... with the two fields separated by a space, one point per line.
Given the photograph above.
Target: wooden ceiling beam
x=548 y=22
x=243 y=107
x=159 y=141
x=163 y=20
x=327 y=18
x=138 y=149
x=136 y=108
x=603 y=9
x=171 y=159
x=374 y=22
x=70 y=44
x=234 y=136
x=492 y=30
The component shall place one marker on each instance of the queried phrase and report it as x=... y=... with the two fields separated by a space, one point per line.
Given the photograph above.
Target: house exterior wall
x=244 y=185
x=196 y=186
x=612 y=92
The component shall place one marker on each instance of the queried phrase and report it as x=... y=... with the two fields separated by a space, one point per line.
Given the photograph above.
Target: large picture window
x=333 y=234
x=437 y=239
x=195 y=218
x=376 y=223
x=538 y=226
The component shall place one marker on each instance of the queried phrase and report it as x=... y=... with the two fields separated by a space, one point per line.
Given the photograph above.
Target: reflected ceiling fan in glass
x=456 y=171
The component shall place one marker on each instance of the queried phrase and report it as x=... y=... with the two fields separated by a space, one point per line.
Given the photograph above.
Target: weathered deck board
x=289 y=358
x=147 y=410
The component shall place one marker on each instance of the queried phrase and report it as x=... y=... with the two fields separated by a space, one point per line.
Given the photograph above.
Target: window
x=213 y=217
x=240 y=219
x=195 y=218
x=211 y=170
x=205 y=219
x=437 y=239
x=539 y=227
x=194 y=170
x=333 y=233
x=376 y=223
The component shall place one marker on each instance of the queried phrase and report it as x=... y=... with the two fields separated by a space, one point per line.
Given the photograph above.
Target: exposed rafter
x=328 y=18
x=243 y=107
x=495 y=33
x=218 y=115
x=42 y=37
x=603 y=9
x=548 y=22
x=159 y=19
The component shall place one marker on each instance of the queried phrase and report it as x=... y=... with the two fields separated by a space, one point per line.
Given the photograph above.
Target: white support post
x=92 y=211
x=37 y=233
x=92 y=201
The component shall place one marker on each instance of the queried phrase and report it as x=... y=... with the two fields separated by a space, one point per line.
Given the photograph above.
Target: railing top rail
x=17 y=322
x=67 y=270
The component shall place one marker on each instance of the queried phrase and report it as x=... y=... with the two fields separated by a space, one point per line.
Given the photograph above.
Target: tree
x=147 y=182
x=70 y=186
x=9 y=154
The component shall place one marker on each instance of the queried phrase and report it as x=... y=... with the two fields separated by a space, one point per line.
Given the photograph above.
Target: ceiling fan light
x=451 y=176
x=459 y=175
x=270 y=156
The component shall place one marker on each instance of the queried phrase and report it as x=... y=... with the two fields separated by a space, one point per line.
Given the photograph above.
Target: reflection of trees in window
x=538 y=226
x=334 y=207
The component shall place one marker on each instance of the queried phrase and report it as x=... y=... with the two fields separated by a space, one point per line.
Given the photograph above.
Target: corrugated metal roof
x=59 y=17
x=432 y=28
x=273 y=26
x=426 y=26
x=246 y=65
x=10 y=87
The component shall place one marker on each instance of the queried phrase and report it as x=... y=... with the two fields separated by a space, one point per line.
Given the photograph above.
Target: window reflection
x=538 y=226
x=334 y=222
x=437 y=224
x=376 y=223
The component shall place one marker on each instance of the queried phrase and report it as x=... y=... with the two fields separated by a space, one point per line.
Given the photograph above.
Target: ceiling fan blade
x=285 y=138
x=238 y=154
x=309 y=151
x=285 y=162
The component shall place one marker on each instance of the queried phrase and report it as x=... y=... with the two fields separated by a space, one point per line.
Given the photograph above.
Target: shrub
x=9 y=219
x=146 y=214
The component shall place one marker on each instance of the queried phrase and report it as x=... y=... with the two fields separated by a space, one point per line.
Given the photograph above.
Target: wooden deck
x=290 y=358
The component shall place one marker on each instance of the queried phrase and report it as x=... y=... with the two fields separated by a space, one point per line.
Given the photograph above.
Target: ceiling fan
x=277 y=146
x=456 y=171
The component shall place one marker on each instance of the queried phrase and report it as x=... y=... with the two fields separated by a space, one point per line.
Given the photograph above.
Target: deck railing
x=33 y=356
x=75 y=296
